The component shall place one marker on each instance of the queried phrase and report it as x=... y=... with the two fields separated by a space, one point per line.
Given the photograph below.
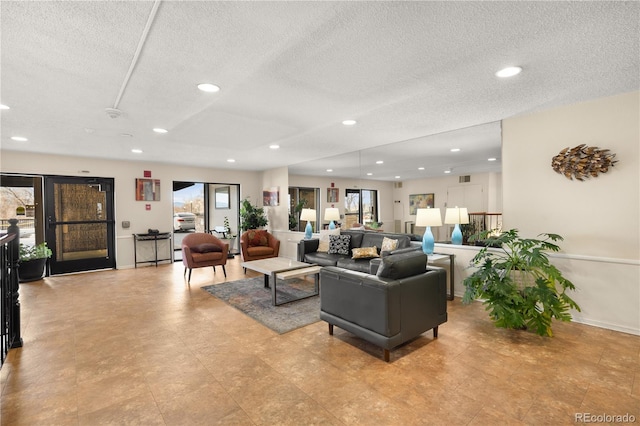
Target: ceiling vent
x=397 y=185
x=464 y=179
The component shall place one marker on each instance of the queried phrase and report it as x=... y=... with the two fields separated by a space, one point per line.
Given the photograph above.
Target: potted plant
x=251 y=217
x=519 y=286
x=33 y=260
x=294 y=216
x=231 y=237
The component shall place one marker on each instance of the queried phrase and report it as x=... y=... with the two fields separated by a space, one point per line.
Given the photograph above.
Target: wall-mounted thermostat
x=126 y=224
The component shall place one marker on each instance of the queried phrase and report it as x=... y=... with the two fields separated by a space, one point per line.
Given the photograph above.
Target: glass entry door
x=79 y=223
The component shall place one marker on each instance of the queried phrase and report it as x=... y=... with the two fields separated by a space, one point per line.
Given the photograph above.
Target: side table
x=154 y=238
x=434 y=258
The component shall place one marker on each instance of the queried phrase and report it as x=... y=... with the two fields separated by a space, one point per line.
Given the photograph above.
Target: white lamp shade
x=331 y=213
x=308 y=214
x=428 y=217
x=456 y=215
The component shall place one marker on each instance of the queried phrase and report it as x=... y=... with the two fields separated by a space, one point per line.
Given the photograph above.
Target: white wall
x=490 y=184
x=598 y=218
x=278 y=216
x=124 y=173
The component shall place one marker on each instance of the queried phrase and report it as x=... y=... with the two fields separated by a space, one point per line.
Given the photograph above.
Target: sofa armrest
x=307 y=246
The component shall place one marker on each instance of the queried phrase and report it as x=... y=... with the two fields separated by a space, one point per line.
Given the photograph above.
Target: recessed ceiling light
x=379 y=162
x=329 y=170
x=349 y=122
x=447 y=171
x=231 y=160
x=274 y=146
x=2 y=106
x=397 y=177
x=208 y=87
x=420 y=168
x=19 y=138
x=136 y=151
x=159 y=130
x=508 y=72
x=491 y=159
x=455 y=149
x=369 y=174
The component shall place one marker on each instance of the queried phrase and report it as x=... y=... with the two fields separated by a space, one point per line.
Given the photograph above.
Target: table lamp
x=428 y=218
x=456 y=216
x=310 y=216
x=331 y=214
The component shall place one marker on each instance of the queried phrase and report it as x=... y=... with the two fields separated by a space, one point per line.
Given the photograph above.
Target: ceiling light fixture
x=369 y=174
x=159 y=130
x=379 y=162
x=508 y=72
x=455 y=149
x=19 y=138
x=420 y=168
x=349 y=122
x=491 y=159
x=447 y=171
x=2 y=106
x=274 y=146
x=397 y=177
x=329 y=170
x=231 y=160
x=136 y=151
x=208 y=87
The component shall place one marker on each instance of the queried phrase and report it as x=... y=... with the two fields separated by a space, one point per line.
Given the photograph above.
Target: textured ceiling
x=290 y=72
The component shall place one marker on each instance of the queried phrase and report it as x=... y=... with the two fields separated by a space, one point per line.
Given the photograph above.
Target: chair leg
x=214 y=269
x=189 y=279
x=331 y=329
x=225 y=271
x=185 y=272
x=245 y=270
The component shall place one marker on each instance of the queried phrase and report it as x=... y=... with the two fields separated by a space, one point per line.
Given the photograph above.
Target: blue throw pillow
x=339 y=244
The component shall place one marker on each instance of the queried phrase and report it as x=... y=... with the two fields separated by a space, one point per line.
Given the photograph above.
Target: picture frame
x=333 y=195
x=222 y=198
x=271 y=196
x=420 y=201
x=147 y=189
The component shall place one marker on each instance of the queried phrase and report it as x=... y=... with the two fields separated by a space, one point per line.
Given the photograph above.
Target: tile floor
x=140 y=346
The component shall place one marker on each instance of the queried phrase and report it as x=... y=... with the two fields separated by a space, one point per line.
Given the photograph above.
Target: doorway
x=79 y=223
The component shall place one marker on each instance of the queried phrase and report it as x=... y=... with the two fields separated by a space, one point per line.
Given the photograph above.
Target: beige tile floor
x=140 y=346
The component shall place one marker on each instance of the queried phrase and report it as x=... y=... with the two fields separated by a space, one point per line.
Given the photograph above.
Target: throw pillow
x=365 y=253
x=205 y=248
x=323 y=245
x=389 y=244
x=257 y=237
x=402 y=265
x=339 y=244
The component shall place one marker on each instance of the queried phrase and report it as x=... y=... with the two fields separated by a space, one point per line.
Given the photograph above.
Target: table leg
x=451 y=281
x=266 y=280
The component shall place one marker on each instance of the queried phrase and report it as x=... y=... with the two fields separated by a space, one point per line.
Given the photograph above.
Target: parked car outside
x=184 y=222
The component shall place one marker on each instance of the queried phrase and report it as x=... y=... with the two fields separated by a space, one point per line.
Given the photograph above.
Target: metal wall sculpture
x=582 y=162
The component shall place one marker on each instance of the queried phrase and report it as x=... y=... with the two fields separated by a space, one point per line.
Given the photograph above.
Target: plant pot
x=31 y=270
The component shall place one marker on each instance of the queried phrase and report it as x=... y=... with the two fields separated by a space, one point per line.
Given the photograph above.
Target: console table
x=154 y=238
x=439 y=257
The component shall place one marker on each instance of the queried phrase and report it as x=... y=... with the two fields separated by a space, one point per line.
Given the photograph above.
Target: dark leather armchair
x=258 y=244
x=200 y=250
x=399 y=303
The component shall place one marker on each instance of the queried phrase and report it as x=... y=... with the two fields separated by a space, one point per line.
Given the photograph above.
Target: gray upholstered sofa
x=308 y=249
x=395 y=303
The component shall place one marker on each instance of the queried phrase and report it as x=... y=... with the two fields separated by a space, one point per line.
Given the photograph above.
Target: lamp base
x=332 y=225
x=308 y=231
x=456 y=235
x=428 y=243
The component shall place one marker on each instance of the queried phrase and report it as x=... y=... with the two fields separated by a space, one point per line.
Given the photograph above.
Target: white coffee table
x=283 y=268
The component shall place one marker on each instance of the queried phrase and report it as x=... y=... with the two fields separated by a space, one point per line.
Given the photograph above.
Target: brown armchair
x=200 y=250
x=258 y=244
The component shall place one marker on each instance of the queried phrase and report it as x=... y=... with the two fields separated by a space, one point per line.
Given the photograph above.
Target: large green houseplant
x=33 y=260
x=518 y=284
x=251 y=217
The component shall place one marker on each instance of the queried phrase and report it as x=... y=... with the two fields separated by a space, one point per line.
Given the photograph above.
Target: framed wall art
x=420 y=201
x=271 y=196
x=222 y=197
x=147 y=189
x=332 y=195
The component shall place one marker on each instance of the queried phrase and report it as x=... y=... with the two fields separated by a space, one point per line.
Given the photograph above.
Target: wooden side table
x=433 y=259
